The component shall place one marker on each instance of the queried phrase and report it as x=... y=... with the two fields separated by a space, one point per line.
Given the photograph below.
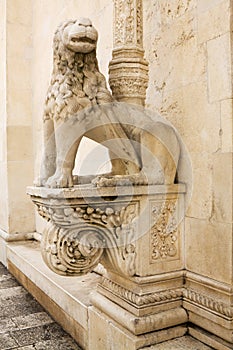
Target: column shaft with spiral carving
x=128 y=70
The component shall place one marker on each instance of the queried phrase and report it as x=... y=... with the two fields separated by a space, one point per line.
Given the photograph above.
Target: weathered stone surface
x=37 y=334
x=23 y=323
x=7 y=281
x=183 y=343
x=7 y=341
x=226 y=125
x=59 y=344
x=214 y=22
x=177 y=66
x=214 y=238
x=32 y=320
x=219 y=67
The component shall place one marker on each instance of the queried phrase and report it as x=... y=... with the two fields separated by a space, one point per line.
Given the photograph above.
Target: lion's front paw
x=61 y=180
x=111 y=181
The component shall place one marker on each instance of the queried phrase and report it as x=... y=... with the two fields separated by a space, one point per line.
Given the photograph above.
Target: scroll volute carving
x=77 y=238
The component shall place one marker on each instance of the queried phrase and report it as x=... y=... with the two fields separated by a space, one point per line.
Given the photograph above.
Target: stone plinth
x=136 y=232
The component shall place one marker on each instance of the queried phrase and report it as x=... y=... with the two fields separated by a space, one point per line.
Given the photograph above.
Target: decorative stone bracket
x=87 y=225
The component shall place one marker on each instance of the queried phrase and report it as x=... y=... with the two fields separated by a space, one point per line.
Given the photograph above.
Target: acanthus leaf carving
x=128 y=87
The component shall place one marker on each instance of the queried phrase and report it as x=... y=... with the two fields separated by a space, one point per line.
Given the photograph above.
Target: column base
x=208 y=338
x=106 y=333
x=209 y=306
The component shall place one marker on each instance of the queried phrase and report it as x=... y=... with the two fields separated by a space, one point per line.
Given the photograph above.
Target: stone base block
x=209 y=306
x=210 y=339
x=139 y=324
x=144 y=296
x=96 y=322
x=107 y=334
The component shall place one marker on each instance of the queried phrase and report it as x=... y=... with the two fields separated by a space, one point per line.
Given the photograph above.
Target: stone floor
x=25 y=325
x=184 y=343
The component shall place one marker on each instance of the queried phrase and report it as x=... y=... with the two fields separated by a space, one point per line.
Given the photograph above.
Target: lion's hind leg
x=48 y=163
x=160 y=152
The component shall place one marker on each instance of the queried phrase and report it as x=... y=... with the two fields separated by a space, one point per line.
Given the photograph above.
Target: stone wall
x=16 y=154
x=3 y=183
x=188 y=46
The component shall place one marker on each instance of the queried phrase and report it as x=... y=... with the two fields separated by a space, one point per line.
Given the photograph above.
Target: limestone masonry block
x=208 y=249
x=206 y=5
x=214 y=22
x=19 y=14
x=226 y=125
x=219 y=68
x=222 y=188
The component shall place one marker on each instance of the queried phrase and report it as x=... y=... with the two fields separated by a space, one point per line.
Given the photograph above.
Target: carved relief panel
x=128 y=70
x=128 y=28
x=164 y=236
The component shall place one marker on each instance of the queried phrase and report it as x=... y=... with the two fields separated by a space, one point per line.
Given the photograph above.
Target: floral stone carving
x=164 y=231
x=87 y=225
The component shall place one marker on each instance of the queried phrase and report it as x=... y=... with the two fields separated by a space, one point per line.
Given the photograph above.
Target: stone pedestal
x=137 y=234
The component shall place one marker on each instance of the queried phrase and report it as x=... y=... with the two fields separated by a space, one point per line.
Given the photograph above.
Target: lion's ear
x=63 y=25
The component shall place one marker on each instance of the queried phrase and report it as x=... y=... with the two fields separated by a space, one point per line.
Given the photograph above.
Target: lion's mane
x=76 y=80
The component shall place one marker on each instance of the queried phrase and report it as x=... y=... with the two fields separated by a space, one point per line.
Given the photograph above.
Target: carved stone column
x=128 y=70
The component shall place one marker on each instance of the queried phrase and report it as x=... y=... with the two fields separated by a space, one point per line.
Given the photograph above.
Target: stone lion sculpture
x=142 y=150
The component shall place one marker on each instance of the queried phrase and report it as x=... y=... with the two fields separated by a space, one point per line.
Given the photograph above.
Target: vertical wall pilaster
x=16 y=211
x=128 y=70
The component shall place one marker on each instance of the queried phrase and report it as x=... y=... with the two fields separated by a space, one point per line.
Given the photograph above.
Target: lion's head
x=80 y=36
x=76 y=81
